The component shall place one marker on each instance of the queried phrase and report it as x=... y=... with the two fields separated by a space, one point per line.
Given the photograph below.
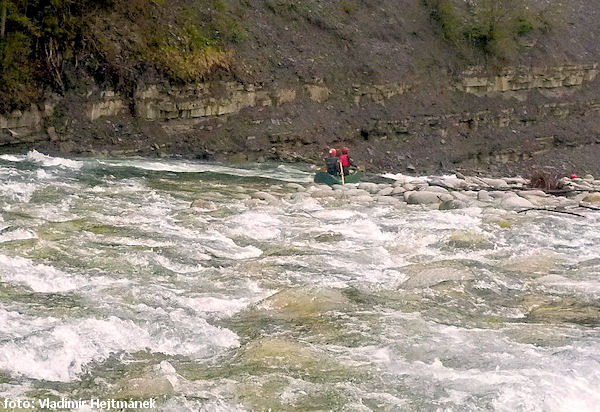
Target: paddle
x=342 y=173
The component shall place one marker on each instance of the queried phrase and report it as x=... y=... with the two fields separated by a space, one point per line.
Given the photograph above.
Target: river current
x=112 y=286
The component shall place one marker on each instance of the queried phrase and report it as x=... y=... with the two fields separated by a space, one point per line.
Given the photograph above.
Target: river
x=112 y=286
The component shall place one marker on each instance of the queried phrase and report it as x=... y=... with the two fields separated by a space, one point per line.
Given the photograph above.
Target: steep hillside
x=496 y=86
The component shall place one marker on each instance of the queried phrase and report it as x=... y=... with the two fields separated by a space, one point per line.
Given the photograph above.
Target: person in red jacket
x=345 y=161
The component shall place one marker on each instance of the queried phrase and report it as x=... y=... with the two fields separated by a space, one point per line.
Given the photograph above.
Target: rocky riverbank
x=446 y=192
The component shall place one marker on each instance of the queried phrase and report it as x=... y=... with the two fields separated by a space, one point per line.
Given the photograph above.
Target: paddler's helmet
x=345 y=150
x=332 y=152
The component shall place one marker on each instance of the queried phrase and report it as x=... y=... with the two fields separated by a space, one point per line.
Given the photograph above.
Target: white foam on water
x=177 y=267
x=41 y=174
x=12 y=158
x=49 y=161
x=20 y=192
x=192 y=336
x=38 y=277
x=15 y=325
x=223 y=247
x=284 y=173
x=564 y=284
x=43 y=278
x=549 y=391
x=59 y=352
x=218 y=305
x=336 y=214
x=255 y=225
x=17 y=234
x=360 y=229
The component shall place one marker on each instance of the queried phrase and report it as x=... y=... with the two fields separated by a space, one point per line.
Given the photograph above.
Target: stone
x=203 y=204
x=356 y=193
x=52 y=133
x=409 y=187
x=592 y=198
x=565 y=310
x=427 y=275
x=436 y=189
x=420 y=198
x=495 y=183
x=452 y=204
x=538 y=264
x=317 y=93
x=369 y=187
x=463 y=239
x=296 y=186
x=526 y=193
x=385 y=192
x=483 y=196
x=301 y=303
x=515 y=202
x=265 y=196
x=387 y=200
x=362 y=199
x=157 y=381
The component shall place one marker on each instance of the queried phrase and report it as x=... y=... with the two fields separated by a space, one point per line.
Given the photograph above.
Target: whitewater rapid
x=181 y=281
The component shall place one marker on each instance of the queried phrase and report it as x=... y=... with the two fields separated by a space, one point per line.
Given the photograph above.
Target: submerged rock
x=427 y=275
x=535 y=264
x=302 y=303
x=452 y=204
x=203 y=204
x=329 y=237
x=565 y=311
x=468 y=240
x=424 y=198
x=265 y=196
x=592 y=198
x=156 y=381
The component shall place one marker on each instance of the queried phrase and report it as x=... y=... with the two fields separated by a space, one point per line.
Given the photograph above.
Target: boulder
x=449 y=182
x=427 y=275
x=369 y=187
x=515 y=202
x=592 y=197
x=387 y=200
x=483 y=196
x=495 y=183
x=296 y=186
x=463 y=239
x=203 y=204
x=398 y=190
x=386 y=191
x=423 y=198
x=436 y=189
x=265 y=196
x=452 y=204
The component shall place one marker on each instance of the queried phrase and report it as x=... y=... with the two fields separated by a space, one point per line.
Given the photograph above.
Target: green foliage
x=349 y=7
x=50 y=41
x=16 y=73
x=491 y=26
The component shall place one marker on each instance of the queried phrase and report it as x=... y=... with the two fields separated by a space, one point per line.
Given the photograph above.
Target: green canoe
x=326 y=178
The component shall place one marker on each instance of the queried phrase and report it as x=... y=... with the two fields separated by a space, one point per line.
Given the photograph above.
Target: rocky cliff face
x=383 y=83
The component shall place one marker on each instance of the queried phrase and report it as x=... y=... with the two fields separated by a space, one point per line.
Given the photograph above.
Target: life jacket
x=333 y=165
x=345 y=160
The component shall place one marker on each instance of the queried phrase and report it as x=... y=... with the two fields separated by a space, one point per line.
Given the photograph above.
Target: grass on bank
x=493 y=27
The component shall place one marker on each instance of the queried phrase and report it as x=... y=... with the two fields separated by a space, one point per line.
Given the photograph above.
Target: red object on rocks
x=573 y=176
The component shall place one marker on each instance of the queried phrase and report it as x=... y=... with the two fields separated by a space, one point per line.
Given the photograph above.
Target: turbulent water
x=113 y=286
